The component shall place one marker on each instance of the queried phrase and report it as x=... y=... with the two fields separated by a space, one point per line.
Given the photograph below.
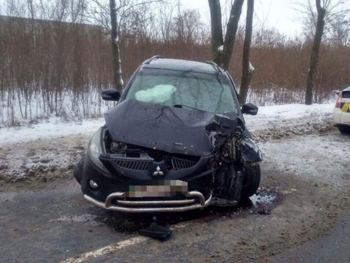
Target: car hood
x=169 y=129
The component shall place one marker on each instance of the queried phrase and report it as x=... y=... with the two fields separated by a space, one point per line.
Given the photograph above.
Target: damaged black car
x=176 y=141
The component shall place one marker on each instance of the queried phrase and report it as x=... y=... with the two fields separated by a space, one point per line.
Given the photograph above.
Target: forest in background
x=56 y=56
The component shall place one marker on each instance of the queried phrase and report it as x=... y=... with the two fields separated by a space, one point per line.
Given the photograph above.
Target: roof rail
x=216 y=67
x=152 y=58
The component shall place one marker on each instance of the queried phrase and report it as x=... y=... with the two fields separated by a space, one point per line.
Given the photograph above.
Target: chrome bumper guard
x=126 y=206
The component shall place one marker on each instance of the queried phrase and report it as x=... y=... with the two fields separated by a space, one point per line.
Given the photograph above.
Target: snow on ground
x=51 y=148
x=319 y=157
x=291 y=111
x=275 y=122
x=53 y=127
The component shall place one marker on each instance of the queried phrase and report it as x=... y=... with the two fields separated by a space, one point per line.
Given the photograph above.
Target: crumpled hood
x=170 y=129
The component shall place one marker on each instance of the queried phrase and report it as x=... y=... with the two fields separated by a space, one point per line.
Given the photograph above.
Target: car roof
x=347 y=89
x=181 y=65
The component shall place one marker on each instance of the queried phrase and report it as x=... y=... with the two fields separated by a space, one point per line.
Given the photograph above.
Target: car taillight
x=337 y=105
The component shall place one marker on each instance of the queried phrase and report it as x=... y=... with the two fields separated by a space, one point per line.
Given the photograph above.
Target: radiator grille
x=138 y=165
x=179 y=164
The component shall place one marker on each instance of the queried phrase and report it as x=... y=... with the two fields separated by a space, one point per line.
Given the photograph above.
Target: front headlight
x=95 y=149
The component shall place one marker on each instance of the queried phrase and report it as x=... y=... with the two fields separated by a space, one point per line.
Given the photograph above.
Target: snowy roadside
x=280 y=121
x=51 y=128
x=49 y=150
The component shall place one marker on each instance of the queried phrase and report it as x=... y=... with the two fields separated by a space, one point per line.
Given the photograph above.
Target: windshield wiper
x=181 y=106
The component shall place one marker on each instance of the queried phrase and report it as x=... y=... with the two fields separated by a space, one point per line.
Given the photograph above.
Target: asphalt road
x=333 y=247
x=51 y=222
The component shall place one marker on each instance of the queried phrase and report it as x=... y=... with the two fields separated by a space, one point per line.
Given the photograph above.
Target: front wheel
x=251 y=181
x=344 y=129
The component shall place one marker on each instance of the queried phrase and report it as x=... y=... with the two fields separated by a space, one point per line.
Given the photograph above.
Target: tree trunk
x=321 y=12
x=222 y=50
x=216 y=30
x=231 y=31
x=247 y=69
x=117 y=64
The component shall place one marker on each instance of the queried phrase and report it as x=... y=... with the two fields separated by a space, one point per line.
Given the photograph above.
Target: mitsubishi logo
x=158 y=172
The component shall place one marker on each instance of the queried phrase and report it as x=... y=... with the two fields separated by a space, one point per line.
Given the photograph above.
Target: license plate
x=163 y=189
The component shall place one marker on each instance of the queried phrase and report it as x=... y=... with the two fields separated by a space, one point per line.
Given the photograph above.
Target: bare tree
x=32 y=17
x=165 y=22
x=247 y=68
x=316 y=23
x=117 y=68
x=340 y=31
x=222 y=48
x=121 y=16
x=321 y=12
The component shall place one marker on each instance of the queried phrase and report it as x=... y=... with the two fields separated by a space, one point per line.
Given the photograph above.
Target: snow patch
x=275 y=122
x=54 y=127
x=85 y=218
x=251 y=68
x=308 y=157
x=263 y=199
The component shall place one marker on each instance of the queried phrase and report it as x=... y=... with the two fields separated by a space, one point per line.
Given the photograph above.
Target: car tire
x=78 y=169
x=251 y=181
x=344 y=129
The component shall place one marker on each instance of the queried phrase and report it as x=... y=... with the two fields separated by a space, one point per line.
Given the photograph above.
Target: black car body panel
x=170 y=129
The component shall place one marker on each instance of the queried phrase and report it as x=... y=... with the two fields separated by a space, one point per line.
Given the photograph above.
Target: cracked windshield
x=198 y=91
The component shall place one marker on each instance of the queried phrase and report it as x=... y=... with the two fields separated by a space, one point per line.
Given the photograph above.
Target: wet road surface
x=53 y=223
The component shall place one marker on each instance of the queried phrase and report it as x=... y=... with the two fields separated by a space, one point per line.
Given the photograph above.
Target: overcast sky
x=274 y=13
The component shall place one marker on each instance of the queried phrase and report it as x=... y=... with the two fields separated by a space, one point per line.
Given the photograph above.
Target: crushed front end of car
x=168 y=159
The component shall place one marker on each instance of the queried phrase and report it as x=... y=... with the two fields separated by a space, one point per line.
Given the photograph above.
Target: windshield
x=201 y=91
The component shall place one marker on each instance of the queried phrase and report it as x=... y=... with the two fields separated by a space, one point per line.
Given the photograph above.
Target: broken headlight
x=118 y=147
x=95 y=149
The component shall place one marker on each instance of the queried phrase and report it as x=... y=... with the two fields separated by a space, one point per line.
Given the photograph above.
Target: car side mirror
x=250 y=109
x=110 y=95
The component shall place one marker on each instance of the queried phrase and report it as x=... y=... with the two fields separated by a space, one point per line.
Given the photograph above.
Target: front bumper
x=122 y=205
x=112 y=192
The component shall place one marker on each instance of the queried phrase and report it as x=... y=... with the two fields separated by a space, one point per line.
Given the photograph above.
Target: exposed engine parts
x=232 y=149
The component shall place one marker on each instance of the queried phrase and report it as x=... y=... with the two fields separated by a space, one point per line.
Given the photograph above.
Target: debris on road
x=156 y=231
x=264 y=210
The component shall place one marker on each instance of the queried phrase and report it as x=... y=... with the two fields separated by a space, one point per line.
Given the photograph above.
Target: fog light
x=93 y=184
